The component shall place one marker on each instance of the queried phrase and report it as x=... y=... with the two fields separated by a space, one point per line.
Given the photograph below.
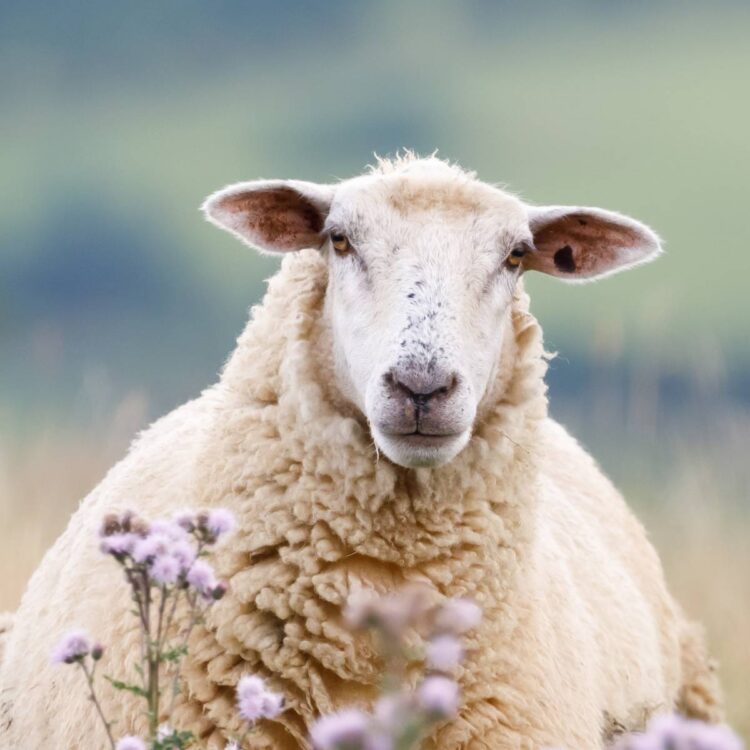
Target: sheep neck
x=321 y=515
x=311 y=458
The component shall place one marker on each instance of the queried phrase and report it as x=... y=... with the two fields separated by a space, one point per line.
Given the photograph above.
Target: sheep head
x=423 y=263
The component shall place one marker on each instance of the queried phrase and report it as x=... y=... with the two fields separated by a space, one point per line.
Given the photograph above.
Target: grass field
x=693 y=508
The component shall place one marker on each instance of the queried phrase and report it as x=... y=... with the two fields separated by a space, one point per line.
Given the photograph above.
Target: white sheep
x=383 y=420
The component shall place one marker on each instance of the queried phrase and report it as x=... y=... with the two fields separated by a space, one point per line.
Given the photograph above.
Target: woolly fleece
x=580 y=636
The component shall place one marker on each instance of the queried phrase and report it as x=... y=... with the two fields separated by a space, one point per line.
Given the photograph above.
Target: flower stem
x=95 y=701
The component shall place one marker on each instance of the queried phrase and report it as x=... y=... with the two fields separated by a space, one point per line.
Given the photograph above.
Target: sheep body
x=580 y=636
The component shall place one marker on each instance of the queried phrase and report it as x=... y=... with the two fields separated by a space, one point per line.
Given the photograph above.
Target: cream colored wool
x=579 y=636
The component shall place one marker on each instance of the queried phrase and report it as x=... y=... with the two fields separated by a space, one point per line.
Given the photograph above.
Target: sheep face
x=423 y=263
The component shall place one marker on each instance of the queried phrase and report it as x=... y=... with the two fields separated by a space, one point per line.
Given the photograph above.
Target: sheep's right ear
x=276 y=216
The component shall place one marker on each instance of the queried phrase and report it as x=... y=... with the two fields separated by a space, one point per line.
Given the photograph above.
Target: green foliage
x=126 y=686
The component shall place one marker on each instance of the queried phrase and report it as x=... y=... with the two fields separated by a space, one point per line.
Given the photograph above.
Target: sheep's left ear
x=586 y=243
x=276 y=216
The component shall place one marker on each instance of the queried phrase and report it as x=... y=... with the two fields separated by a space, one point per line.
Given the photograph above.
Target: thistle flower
x=185 y=519
x=164 y=570
x=146 y=549
x=219 y=521
x=438 y=697
x=131 y=742
x=393 y=613
x=119 y=544
x=672 y=732
x=184 y=553
x=345 y=729
x=458 y=616
x=202 y=578
x=444 y=653
x=255 y=701
x=72 y=647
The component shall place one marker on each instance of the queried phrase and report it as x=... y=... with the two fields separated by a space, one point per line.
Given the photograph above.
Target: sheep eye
x=516 y=255
x=341 y=244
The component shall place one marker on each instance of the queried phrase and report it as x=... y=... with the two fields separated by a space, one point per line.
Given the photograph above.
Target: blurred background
x=117 y=302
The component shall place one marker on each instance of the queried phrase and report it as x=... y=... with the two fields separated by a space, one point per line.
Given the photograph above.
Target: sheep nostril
x=419 y=386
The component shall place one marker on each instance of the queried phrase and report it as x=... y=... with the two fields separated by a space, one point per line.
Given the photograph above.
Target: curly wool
x=579 y=632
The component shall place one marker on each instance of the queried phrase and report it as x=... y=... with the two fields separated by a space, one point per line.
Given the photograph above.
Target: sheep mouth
x=418 y=435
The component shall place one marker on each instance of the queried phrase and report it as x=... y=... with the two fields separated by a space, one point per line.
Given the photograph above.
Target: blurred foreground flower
x=402 y=716
x=171 y=586
x=673 y=732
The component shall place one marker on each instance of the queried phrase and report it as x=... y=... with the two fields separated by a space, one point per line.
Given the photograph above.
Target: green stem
x=95 y=701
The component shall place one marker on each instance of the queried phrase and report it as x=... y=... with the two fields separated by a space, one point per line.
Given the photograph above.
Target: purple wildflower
x=444 y=653
x=393 y=613
x=201 y=577
x=184 y=553
x=390 y=708
x=220 y=521
x=119 y=545
x=168 y=529
x=348 y=728
x=185 y=519
x=438 y=696
x=273 y=704
x=148 y=548
x=255 y=701
x=250 y=684
x=164 y=570
x=131 y=742
x=73 y=646
x=672 y=732
x=458 y=616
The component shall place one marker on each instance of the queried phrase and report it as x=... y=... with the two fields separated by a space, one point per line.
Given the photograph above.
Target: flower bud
x=110 y=525
x=219 y=590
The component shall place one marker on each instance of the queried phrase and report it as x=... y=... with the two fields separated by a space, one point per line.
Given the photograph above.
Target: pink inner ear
x=278 y=218
x=582 y=244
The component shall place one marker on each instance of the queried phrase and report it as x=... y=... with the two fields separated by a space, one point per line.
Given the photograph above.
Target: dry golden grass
x=697 y=520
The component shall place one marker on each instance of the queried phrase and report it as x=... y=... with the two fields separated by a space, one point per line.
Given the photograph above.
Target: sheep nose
x=421 y=386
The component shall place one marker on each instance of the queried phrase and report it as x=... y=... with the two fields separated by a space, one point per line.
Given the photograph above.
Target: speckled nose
x=421 y=386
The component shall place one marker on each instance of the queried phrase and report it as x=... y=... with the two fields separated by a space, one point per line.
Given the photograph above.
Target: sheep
x=383 y=421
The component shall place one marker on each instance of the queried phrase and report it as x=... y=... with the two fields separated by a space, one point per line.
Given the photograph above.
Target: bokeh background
x=117 y=302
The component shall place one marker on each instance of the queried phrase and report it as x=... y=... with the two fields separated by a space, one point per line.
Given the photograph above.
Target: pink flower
x=457 y=616
x=131 y=742
x=73 y=646
x=184 y=553
x=164 y=570
x=201 y=577
x=273 y=704
x=118 y=545
x=672 y=732
x=348 y=728
x=444 y=653
x=148 y=548
x=255 y=701
x=185 y=519
x=167 y=528
x=250 y=684
x=438 y=696
x=220 y=521
x=393 y=613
